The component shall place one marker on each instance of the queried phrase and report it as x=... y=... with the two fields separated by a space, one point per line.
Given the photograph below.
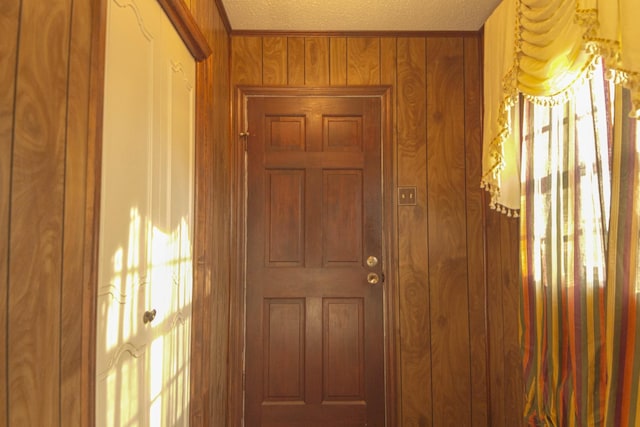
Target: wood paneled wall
x=503 y=300
x=449 y=343
x=457 y=328
x=45 y=216
x=209 y=366
x=50 y=109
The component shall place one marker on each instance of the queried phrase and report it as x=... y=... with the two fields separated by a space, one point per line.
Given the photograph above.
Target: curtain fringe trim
x=611 y=53
x=491 y=179
x=494 y=192
x=607 y=50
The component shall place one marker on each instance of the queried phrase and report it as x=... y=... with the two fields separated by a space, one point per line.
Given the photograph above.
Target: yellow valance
x=541 y=49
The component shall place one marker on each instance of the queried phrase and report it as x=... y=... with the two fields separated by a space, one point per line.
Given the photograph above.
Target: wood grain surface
x=505 y=362
x=210 y=370
x=295 y=60
x=9 y=21
x=514 y=385
x=220 y=236
x=388 y=75
x=475 y=233
x=444 y=302
x=446 y=180
x=363 y=55
x=316 y=61
x=201 y=312
x=495 y=319
x=37 y=199
x=338 y=61
x=246 y=67
x=181 y=17
x=413 y=249
x=43 y=192
x=274 y=60
x=200 y=368
x=77 y=233
x=49 y=158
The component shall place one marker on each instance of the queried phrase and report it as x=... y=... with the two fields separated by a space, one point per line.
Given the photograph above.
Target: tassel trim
x=494 y=192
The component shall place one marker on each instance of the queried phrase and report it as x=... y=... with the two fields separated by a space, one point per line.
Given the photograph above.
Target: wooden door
x=314 y=338
x=146 y=217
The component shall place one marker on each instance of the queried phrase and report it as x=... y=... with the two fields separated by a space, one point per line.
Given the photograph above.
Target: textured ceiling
x=358 y=15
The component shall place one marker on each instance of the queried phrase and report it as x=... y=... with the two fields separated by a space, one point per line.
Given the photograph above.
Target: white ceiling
x=358 y=15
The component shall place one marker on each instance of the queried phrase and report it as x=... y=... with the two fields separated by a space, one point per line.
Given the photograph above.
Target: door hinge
x=244 y=137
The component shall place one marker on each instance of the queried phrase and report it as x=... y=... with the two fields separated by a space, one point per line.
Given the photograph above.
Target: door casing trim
x=238 y=243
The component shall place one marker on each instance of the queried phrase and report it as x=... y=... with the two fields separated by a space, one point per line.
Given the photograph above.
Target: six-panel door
x=314 y=340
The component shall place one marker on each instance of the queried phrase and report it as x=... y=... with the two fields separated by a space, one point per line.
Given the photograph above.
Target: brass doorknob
x=372 y=261
x=148 y=316
x=373 y=278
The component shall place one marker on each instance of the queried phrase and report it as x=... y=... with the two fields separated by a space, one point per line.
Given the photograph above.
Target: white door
x=146 y=217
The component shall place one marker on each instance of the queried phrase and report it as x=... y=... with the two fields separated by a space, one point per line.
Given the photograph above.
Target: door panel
x=343 y=349
x=285 y=221
x=145 y=255
x=284 y=344
x=342 y=217
x=314 y=339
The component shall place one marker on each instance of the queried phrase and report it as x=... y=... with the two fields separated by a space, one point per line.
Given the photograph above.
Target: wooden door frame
x=239 y=233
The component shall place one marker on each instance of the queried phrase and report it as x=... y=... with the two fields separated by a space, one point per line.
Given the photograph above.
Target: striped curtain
x=623 y=319
x=564 y=225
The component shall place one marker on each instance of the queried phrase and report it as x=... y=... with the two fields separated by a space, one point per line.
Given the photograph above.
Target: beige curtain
x=542 y=49
x=616 y=36
x=500 y=137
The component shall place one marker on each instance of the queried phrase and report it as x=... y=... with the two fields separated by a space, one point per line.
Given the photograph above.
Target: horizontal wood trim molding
x=184 y=22
x=355 y=33
x=245 y=91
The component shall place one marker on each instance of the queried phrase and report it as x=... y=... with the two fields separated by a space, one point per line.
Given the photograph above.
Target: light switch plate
x=406 y=195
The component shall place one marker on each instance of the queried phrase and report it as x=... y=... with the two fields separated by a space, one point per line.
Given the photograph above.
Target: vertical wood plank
x=495 y=319
x=220 y=237
x=507 y=389
x=274 y=60
x=295 y=60
x=388 y=64
x=388 y=76
x=246 y=61
x=363 y=56
x=338 y=61
x=75 y=204
x=201 y=331
x=450 y=358
x=316 y=60
x=201 y=404
x=93 y=161
x=413 y=272
x=9 y=19
x=513 y=385
x=37 y=215
x=212 y=375
x=475 y=232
